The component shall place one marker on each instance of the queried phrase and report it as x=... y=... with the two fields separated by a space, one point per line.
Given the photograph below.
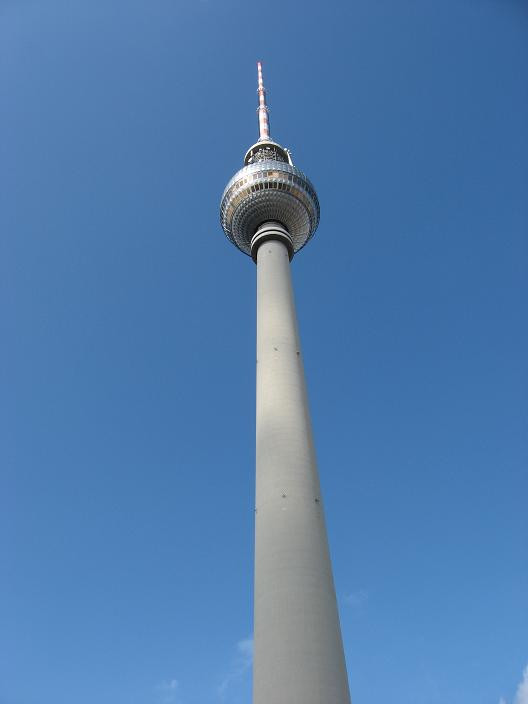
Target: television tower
x=269 y=210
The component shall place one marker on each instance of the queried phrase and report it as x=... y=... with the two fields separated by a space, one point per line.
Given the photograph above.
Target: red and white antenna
x=262 y=108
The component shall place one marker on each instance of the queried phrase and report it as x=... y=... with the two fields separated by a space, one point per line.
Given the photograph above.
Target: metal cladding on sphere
x=268 y=188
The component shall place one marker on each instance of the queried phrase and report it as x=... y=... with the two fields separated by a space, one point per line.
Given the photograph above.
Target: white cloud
x=245 y=648
x=521 y=696
x=169 y=691
x=357 y=600
x=240 y=664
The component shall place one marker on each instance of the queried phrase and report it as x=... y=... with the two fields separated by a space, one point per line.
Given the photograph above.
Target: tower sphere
x=269 y=188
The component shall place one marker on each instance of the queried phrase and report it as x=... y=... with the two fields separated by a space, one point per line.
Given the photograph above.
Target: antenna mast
x=264 y=133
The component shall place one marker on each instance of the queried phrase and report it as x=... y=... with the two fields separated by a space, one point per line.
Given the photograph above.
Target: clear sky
x=128 y=341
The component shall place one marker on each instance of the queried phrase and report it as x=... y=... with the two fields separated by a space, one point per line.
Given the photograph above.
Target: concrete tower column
x=298 y=651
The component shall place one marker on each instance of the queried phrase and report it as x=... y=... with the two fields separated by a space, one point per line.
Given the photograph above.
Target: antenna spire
x=264 y=133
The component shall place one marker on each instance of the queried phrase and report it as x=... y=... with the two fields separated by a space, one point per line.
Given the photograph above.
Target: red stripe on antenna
x=262 y=108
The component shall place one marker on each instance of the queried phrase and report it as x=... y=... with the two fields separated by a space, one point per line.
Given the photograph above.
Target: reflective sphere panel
x=264 y=191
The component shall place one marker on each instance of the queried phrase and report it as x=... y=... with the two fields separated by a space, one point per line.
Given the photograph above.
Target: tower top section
x=268 y=189
x=265 y=148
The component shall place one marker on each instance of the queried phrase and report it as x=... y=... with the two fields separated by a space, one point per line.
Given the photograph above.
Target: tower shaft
x=298 y=652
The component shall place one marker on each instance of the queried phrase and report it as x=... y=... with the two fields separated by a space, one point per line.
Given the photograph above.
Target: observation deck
x=269 y=190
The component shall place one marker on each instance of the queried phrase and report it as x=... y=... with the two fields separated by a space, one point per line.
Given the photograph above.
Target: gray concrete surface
x=298 y=651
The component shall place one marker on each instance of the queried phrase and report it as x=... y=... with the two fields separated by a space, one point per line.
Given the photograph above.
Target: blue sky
x=128 y=338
